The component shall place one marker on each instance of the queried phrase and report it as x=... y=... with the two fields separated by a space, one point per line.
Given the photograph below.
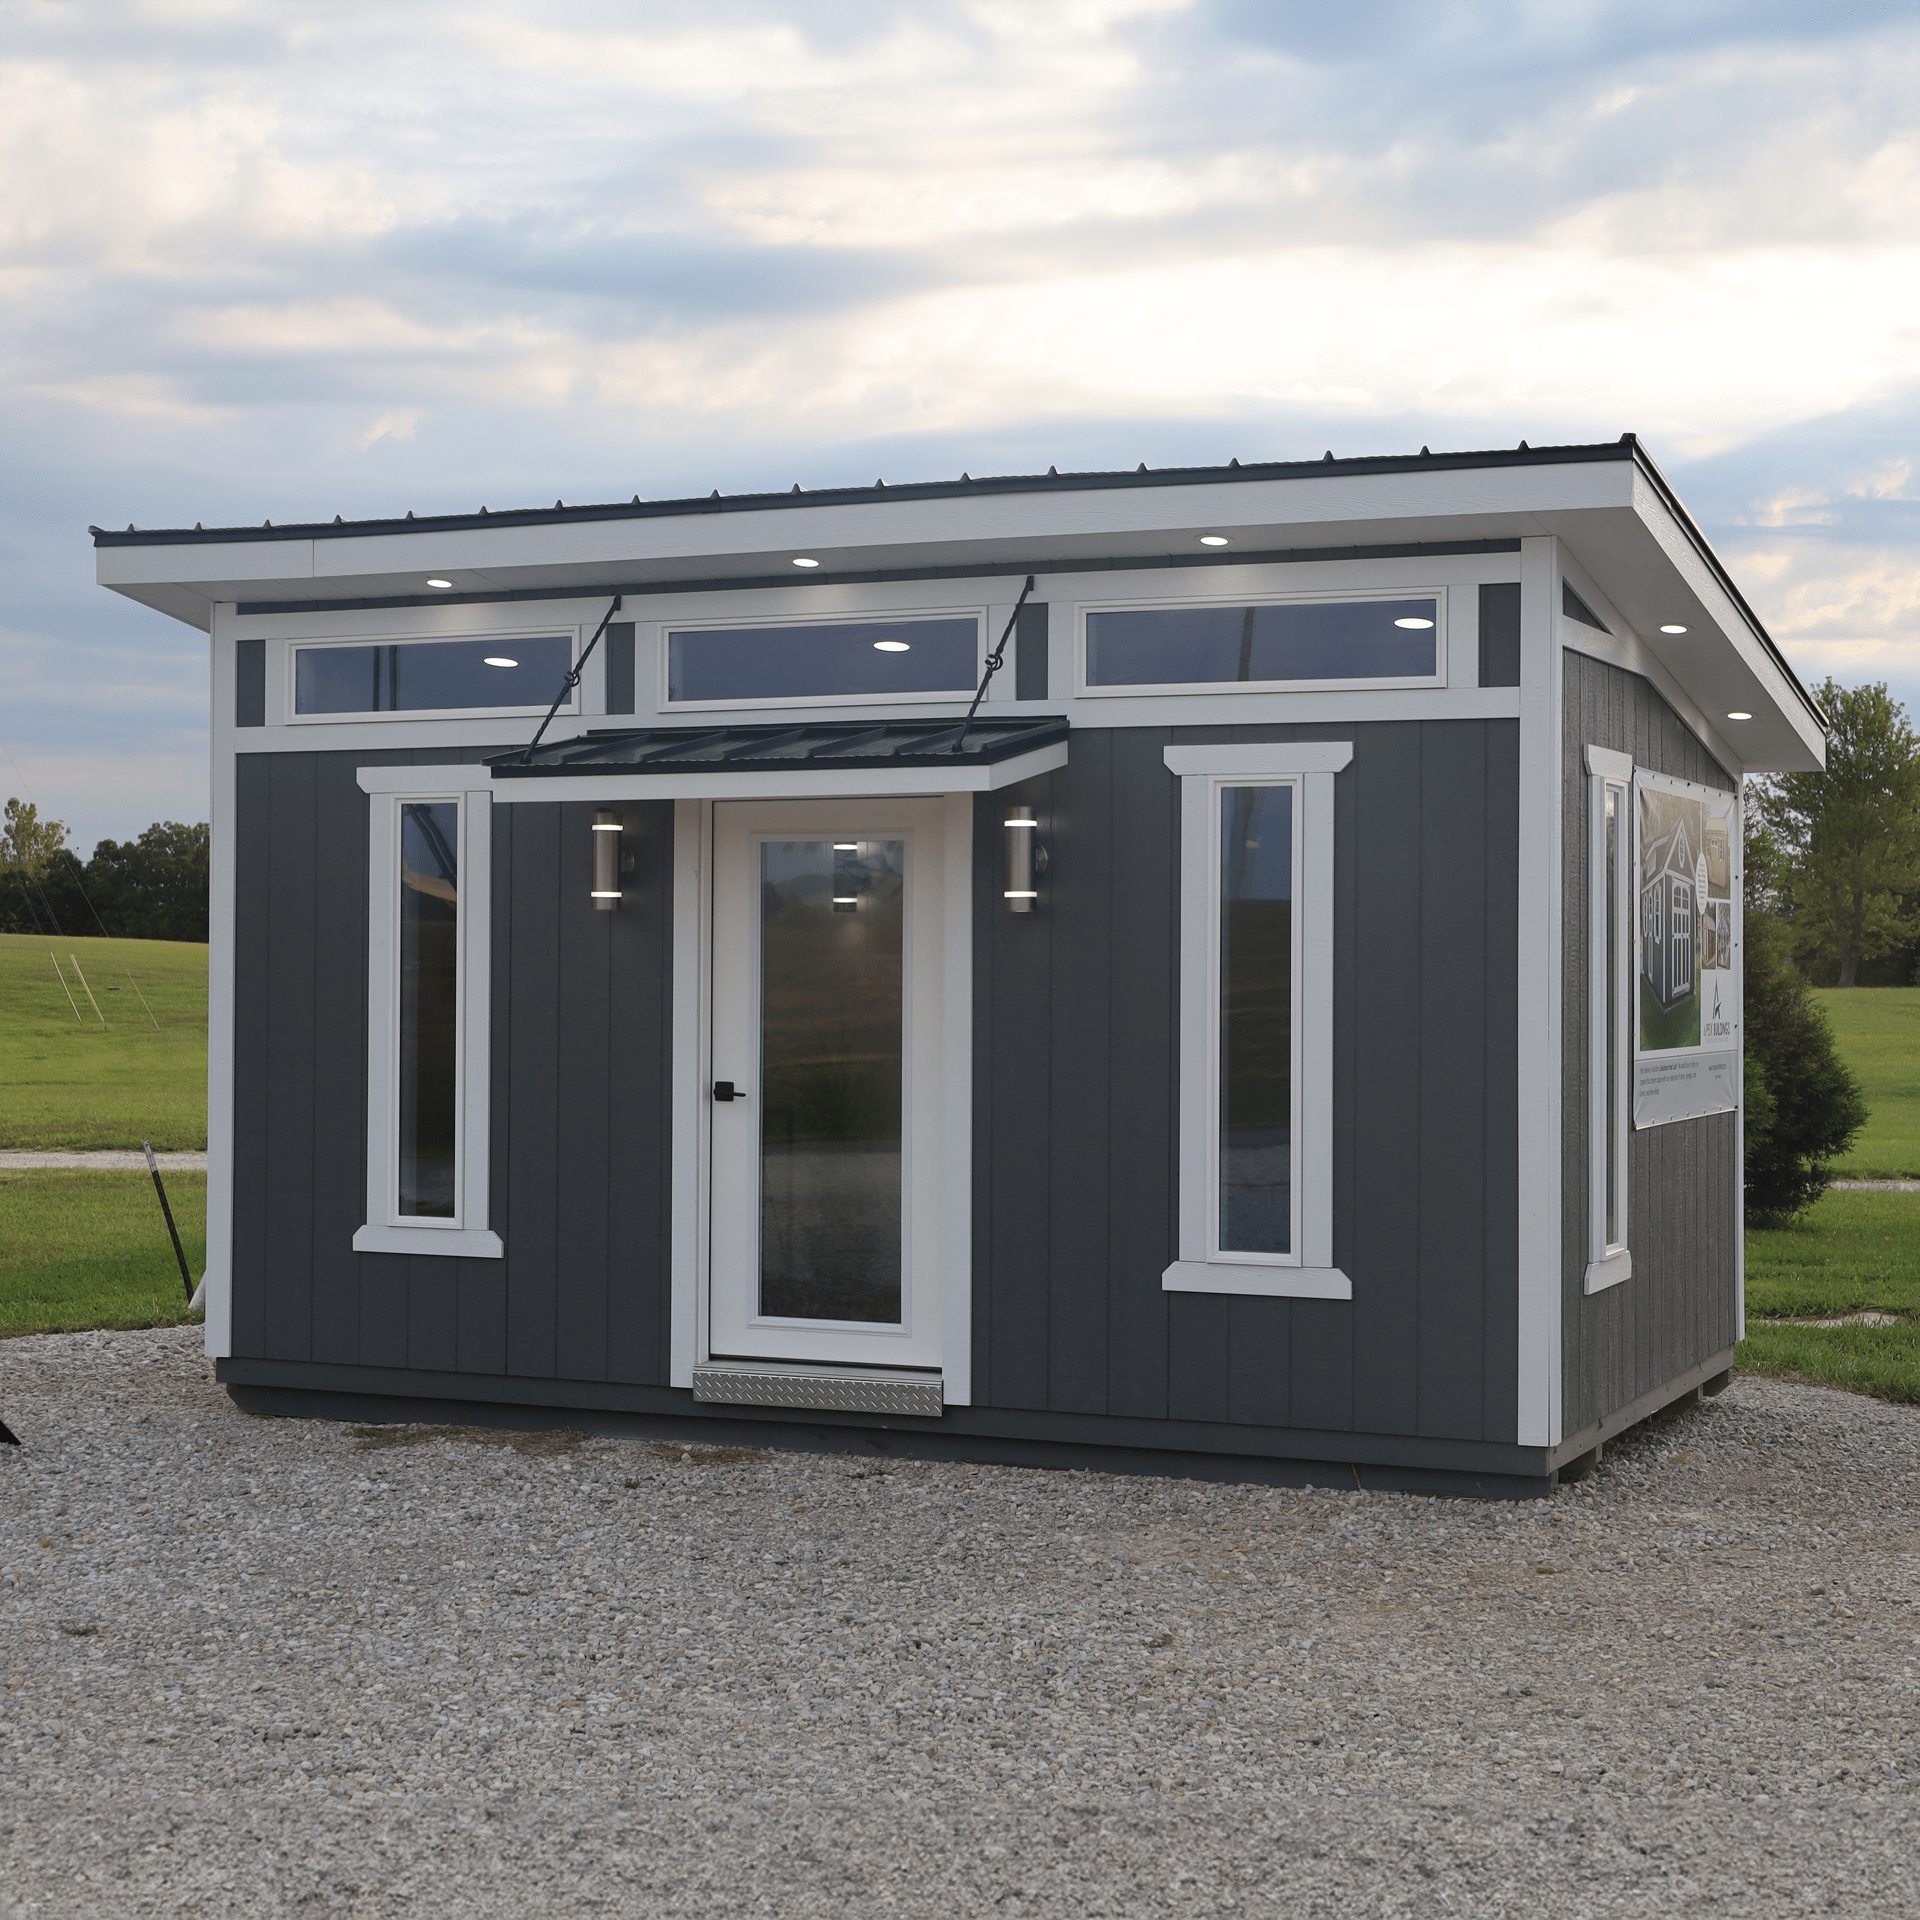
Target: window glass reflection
x=429 y=1007
x=824 y=662
x=1188 y=646
x=418 y=676
x=1256 y=1020
x=832 y=1005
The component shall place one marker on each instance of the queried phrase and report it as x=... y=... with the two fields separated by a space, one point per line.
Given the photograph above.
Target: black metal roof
x=1625 y=448
x=830 y=743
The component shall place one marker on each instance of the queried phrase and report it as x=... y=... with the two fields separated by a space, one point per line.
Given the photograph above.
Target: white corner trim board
x=1308 y=767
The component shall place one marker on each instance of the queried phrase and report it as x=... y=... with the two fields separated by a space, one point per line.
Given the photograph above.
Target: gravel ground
x=253 y=1667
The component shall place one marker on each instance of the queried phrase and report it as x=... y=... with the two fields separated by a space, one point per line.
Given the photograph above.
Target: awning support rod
x=573 y=679
x=993 y=665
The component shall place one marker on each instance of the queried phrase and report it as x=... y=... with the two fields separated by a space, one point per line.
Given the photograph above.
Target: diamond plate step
x=745 y=1384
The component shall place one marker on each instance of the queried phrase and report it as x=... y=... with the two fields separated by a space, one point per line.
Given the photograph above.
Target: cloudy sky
x=272 y=260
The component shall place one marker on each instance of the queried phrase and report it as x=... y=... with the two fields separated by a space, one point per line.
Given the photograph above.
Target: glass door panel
x=832 y=952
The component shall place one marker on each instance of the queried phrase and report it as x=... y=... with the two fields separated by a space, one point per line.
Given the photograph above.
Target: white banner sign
x=1684 y=1087
x=1687 y=939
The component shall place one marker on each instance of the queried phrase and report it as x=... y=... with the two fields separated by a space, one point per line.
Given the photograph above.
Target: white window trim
x=1085 y=690
x=1609 y=1262
x=888 y=617
x=1309 y=767
x=290 y=677
x=386 y=1231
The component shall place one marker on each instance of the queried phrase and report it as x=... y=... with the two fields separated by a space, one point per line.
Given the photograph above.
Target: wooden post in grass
x=84 y=988
x=64 y=988
x=179 y=1252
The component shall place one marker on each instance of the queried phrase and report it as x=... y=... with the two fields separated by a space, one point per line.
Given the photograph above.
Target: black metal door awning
x=824 y=745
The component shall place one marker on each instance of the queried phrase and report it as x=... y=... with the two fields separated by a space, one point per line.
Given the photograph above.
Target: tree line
x=152 y=888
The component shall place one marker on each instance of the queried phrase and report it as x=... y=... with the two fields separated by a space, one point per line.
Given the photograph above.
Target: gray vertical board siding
x=579 y=1149
x=619 y=646
x=1142 y=1211
x=1500 y=634
x=1030 y=642
x=639 y=1057
x=249 y=683
x=1500 y=1118
x=294 y=1049
x=252 y=1016
x=340 y=1012
x=533 y=1088
x=583 y=1105
x=1013 y=1094
x=1085 y=1045
x=1076 y=1101
x=1393 y=842
x=1683 y=1181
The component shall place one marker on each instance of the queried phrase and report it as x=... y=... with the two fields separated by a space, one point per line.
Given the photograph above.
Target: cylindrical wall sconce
x=1025 y=859
x=607 y=864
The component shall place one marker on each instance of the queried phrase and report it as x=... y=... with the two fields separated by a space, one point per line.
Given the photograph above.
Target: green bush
x=1804 y=1105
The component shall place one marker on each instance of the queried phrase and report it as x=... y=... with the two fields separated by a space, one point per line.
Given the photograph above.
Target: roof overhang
x=1609 y=505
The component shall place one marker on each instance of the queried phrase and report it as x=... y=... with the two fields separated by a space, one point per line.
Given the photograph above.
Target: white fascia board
x=1340 y=509
x=799 y=783
x=203 y=563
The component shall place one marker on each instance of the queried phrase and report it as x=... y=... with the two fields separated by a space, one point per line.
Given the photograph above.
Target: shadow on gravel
x=539 y=1445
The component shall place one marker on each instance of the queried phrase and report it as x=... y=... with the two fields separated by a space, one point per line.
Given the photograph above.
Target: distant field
x=91 y=1249
x=131 y=1065
x=1878 y=1031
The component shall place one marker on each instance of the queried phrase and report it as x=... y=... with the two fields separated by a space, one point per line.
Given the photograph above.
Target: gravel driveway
x=256 y=1667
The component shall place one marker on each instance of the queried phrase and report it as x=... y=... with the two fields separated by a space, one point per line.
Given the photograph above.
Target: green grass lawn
x=1878 y=1032
x=1848 y=1253
x=91 y=1249
x=131 y=1065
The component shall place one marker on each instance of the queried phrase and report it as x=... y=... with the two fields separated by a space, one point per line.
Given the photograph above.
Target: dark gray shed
x=1275 y=1037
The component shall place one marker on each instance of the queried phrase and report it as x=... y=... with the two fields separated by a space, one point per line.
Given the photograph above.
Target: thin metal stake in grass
x=64 y=988
x=84 y=988
x=135 y=985
x=179 y=1252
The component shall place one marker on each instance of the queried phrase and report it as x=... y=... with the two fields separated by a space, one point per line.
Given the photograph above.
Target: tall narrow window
x=429 y=1014
x=1616 y=805
x=429 y=872
x=1610 y=976
x=1256 y=1019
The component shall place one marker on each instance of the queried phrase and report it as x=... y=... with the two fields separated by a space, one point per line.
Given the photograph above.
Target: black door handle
x=726 y=1090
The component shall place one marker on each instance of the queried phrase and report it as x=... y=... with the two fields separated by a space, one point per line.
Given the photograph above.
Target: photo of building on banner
x=1687 y=1059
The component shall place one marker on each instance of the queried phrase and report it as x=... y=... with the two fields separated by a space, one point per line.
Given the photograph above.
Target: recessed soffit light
x=1739 y=716
x=1215 y=540
x=800 y=560
x=439 y=583
x=1673 y=629
x=892 y=646
x=1421 y=625
x=499 y=660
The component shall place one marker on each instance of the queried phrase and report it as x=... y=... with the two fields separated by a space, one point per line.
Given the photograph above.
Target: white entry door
x=826 y=1104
